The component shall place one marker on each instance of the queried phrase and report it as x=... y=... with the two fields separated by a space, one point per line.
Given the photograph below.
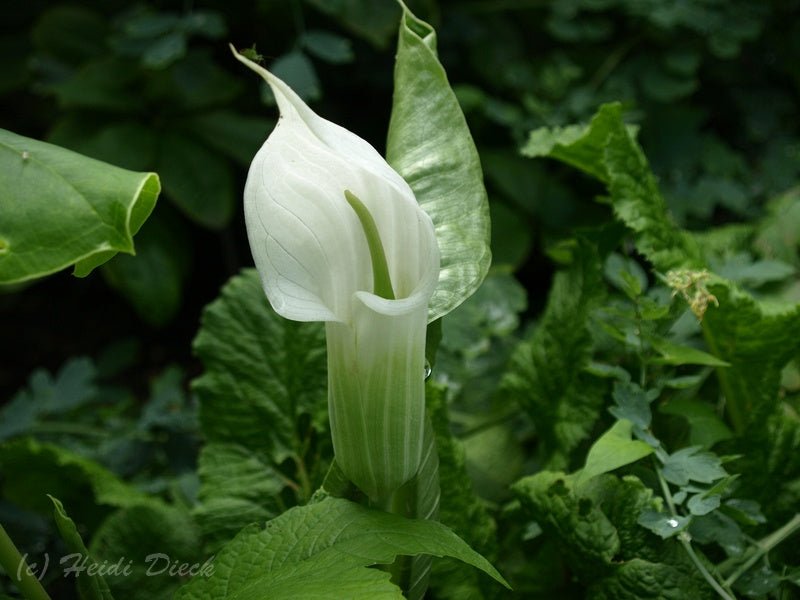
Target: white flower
x=311 y=246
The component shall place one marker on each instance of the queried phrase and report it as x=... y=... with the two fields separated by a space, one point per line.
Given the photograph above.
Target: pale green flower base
x=376 y=397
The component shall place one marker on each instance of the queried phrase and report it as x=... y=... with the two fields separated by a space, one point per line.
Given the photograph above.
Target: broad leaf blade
x=238 y=487
x=676 y=354
x=693 y=464
x=60 y=208
x=757 y=341
x=262 y=401
x=331 y=540
x=429 y=144
x=580 y=146
x=582 y=530
x=262 y=372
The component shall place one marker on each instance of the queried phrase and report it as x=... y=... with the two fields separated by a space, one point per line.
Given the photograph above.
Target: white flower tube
x=318 y=252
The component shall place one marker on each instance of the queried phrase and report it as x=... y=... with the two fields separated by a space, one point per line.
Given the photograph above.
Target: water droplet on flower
x=428 y=369
x=673 y=523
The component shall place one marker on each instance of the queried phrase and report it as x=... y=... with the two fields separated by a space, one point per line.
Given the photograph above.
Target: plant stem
x=704 y=572
x=415 y=500
x=685 y=541
x=763 y=546
x=401 y=502
x=302 y=475
x=17 y=569
x=665 y=490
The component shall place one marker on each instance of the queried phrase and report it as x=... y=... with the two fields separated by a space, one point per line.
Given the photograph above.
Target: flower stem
x=17 y=569
x=402 y=502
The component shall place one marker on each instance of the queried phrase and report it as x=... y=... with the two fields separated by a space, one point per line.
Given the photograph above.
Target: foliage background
x=712 y=86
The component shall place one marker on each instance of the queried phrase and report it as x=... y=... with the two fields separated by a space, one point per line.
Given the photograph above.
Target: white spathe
x=312 y=255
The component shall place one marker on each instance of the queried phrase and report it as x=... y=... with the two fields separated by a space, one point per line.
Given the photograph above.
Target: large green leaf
x=262 y=372
x=321 y=551
x=584 y=533
x=757 y=340
x=59 y=208
x=262 y=401
x=639 y=579
x=237 y=487
x=429 y=144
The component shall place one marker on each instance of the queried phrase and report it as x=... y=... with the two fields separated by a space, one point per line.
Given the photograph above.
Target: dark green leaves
x=582 y=530
x=757 y=339
x=373 y=20
x=60 y=208
x=461 y=509
x=595 y=526
x=153 y=280
x=546 y=374
x=72 y=387
x=328 y=46
x=430 y=145
x=321 y=551
x=31 y=470
x=150 y=540
x=607 y=150
x=197 y=181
